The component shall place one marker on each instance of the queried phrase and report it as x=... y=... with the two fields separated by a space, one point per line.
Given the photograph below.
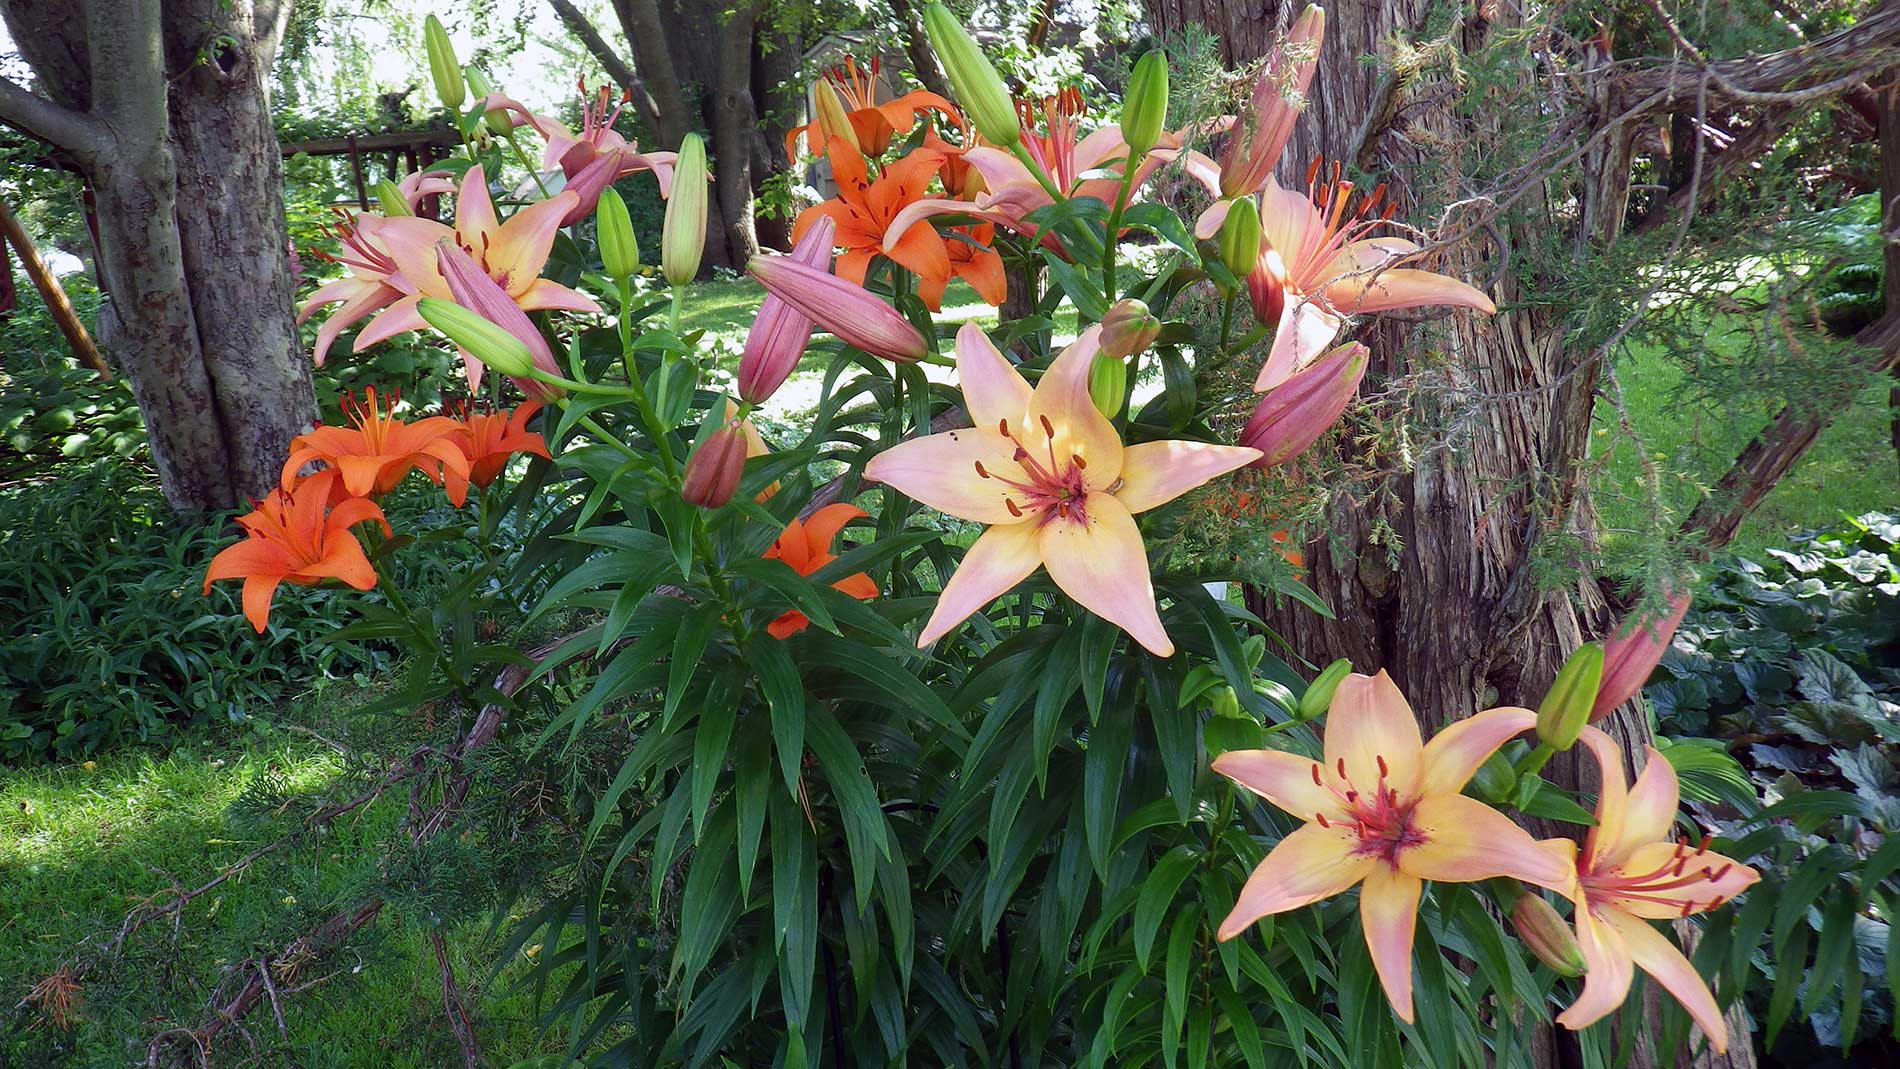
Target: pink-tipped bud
x=1548 y=935
x=1633 y=653
x=780 y=332
x=846 y=309
x=1258 y=137
x=713 y=471
x=471 y=287
x=1128 y=328
x=1295 y=413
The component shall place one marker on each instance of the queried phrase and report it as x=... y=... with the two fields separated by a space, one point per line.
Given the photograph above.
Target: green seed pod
x=390 y=201
x=1145 y=107
x=443 y=69
x=488 y=343
x=979 y=88
x=1240 y=237
x=1566 y=708
x=1108 y=384
x=1319 y=694
x=619 y=250
x=683 y=235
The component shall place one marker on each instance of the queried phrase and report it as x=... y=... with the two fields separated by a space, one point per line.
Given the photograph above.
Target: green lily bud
x=1548 y=935
x=496 y=118
x=489 y=343
x=829 y=114
x=1225 y=702
x=979 y=89
x=390 y=201
x=619 y=250
x=1319 y=693
x=1240 y=237
x=1566 y=708
x=443 y=68
x=1108 y=384
x=683 y=235
x=1145 y=107
x=1128 y=328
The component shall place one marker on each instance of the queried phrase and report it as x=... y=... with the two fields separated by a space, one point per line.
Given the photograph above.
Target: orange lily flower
x=805 y=545
x=863 y=210
x=1384 y=810
x=1046 y=470
x=372 y=457
x=513 y=253
x=1631 y=871
x=293 y=536
x=489 y=440
x=874 y=124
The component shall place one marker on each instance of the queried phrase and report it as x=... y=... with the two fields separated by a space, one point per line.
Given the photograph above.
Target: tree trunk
x=191 y=227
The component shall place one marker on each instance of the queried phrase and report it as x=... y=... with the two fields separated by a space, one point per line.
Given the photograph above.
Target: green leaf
x=793 y=588
x=751 y=783
x=689 y=647
x=714 y=731
x=1157 y=896
x=1103 y=768
x=843 y=766
x=785 y=692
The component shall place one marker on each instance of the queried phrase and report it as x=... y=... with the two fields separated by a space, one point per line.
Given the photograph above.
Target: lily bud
x=443 y=69
x=713 y=471
x=619 y=249
x=1145 y=107
x=683 y=235
x=844 y=308
x=780 y=332
x=1108 y=384
x=472 y=288
x=832 y=121
x=1548 y=935
x=978 y=87
x=1633 y=653
x=1258 y=137
x=1566 y=708
x=487 y=342
x=496 y=118
x=1240 y=237
x=390 y=201
x=1295 y=413
x=1225 y=702
x=1265 y=290
x=1128 y=328
x=1319 y=693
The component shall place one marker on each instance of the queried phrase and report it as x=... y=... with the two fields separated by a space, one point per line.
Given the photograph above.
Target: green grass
x=1850 y=469
x=80 y=846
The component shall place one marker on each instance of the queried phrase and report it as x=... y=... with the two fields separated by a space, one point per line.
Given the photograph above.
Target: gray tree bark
x=174 y=134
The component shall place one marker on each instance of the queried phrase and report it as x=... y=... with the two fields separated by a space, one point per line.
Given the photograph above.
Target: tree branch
x=1843 y=60
x=76 y=132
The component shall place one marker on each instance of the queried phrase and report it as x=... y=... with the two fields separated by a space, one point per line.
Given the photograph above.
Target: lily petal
x=1155 y=473
x=1606 y=979
x=518 y=249
x=1306 y=330
x=1648 y=814
x=940 y=470
x=1289 y=224
x=1388 y=910
x=249 y=556
x=993 y=391
x=544 y=294
x=1285 y=779
x=474 y=211
x=995 y=562
x=258 y=591
x=1312 y=863
x=1405 y=287
x=1370 y=724
x=1658 y=956
x=1097 y=558
x=1466 y=840
x=1454 y=754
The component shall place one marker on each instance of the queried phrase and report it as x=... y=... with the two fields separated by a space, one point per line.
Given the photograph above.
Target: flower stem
x=532 y=171
x=1111 y=235
x=1042 y=176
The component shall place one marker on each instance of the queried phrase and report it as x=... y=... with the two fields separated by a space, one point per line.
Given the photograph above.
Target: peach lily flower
x=373 y=456
x=1315 y=269
x=373 y=281
x=292 y=536
x=874 y=124
x=513 y=253
x=490 y=439
x=1011 y=189
x=1050 y=476
x=1384 y=810
x=805 y=545
x=1630 y=872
